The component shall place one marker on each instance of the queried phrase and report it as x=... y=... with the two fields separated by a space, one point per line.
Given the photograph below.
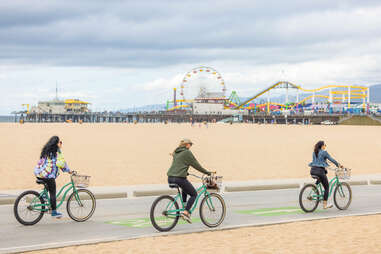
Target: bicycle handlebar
x=199 y=177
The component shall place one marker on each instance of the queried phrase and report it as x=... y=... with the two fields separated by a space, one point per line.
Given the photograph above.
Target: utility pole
x=56 y=91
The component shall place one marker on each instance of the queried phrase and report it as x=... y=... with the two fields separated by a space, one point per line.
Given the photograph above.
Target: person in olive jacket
x=178 y=172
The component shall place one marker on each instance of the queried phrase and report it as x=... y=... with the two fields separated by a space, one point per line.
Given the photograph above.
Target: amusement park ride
x=329 y=98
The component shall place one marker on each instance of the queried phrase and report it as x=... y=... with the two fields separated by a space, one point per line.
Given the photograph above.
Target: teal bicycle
x=165 y=211
x=30 y=206
x=312 y=194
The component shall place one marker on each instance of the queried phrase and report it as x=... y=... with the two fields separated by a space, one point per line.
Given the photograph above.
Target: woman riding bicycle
x=47 y=169
x=318 y=165
x=178 y=172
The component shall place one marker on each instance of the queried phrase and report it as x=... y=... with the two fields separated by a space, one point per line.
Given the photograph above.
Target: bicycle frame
x=40 y=207
x=200 y=191
x=332 y=183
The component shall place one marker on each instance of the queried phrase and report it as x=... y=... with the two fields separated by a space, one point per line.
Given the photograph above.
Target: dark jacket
x=182 y=159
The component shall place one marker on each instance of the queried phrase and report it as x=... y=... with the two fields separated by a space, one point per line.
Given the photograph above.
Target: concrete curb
x=262 y=187
x=378 y=181
x=149 y=193
x=110 y=195
x=157 y=190
x=7 y=200
x=358 y=182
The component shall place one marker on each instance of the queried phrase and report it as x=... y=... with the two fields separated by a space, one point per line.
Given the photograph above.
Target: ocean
x=7 y=119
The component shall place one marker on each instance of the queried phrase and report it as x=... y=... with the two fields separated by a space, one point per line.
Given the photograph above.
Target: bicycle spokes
x=29 y=207
x=309 y=198
x=164 y=213
x=341 y=192
x=210 y=204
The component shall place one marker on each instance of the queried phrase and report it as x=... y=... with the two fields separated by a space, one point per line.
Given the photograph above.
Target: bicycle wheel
x=212 y=210
x=25 y=206
x=161 y=219
x=342 y=196
x=309 y=198
x=82 y=206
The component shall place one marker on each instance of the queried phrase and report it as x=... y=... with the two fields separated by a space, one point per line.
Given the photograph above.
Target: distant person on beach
x=178 y=172
x=47 y=169
x=318 y=165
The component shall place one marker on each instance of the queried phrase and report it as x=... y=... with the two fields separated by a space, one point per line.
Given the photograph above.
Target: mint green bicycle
x=165 y=211
x=311 y=195
x=30 y=206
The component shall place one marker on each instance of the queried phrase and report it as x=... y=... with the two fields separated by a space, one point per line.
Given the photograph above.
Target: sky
x=122 y=54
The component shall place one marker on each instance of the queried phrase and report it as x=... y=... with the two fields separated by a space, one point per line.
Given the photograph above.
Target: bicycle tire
x=72 y=199
x=302 y=205
x=337 y=192
x=223 y=214
x=16 y=206
x=152 y=214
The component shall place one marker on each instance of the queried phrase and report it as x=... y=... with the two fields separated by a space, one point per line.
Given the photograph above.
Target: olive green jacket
x=182 y=159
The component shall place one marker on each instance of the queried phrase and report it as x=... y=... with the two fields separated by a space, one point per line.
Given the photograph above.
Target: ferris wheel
x=202 y=79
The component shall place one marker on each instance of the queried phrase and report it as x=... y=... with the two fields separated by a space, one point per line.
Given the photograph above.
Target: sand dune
x=126 y=154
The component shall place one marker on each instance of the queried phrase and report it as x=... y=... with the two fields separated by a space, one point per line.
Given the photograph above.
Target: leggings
x=322 y=174
x=51 y=184
x=187 y=189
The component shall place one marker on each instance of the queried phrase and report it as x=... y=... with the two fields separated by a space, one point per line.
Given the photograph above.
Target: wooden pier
x=162 y=117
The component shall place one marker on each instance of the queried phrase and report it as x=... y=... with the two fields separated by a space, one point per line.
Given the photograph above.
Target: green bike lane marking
x=274 y=211
x=144 y=222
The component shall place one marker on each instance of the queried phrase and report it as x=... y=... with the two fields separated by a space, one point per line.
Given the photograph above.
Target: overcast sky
x=120 y=54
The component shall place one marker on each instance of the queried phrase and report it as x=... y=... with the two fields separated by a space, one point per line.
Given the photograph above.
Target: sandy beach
x=350 y=235
x=128 y=154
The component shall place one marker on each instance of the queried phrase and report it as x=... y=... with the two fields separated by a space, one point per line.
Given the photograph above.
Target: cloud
x=123 y=53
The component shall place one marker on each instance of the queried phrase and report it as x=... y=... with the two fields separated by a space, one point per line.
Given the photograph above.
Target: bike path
x=118 y=219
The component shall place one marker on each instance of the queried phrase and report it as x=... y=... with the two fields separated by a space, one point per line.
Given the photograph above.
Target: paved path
x=128 y=218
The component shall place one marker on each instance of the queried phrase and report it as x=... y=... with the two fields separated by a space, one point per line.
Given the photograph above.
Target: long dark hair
x=318 y=147
x=51 y=148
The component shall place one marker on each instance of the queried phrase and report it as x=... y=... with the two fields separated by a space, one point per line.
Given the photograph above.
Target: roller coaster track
x=360 y=92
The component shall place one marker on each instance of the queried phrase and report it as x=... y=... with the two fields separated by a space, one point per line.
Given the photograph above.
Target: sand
x=128 y=154
x=350 y=235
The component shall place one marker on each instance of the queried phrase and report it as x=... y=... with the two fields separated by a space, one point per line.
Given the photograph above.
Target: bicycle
x=30 y=206
x=311 y=195
x=165 y=211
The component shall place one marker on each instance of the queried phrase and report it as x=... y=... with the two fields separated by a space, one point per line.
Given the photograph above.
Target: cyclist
x=318 y=165
x=47 y=169
x=178 y=172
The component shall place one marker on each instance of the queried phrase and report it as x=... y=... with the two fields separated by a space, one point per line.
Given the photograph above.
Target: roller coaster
x=347 y=96
x=344 y=94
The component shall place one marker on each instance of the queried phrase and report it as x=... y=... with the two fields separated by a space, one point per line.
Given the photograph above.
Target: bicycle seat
x=38 y=181
x=315 y=177
x=174 y=185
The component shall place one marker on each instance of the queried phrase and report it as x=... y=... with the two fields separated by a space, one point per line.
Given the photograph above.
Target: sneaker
x=328 y=206
x=56 y=214
x=186 y=217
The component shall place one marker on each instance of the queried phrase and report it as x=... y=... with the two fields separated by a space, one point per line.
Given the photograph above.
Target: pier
x=177 y=117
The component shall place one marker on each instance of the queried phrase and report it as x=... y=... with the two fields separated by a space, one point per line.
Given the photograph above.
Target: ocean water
x=7 y=119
